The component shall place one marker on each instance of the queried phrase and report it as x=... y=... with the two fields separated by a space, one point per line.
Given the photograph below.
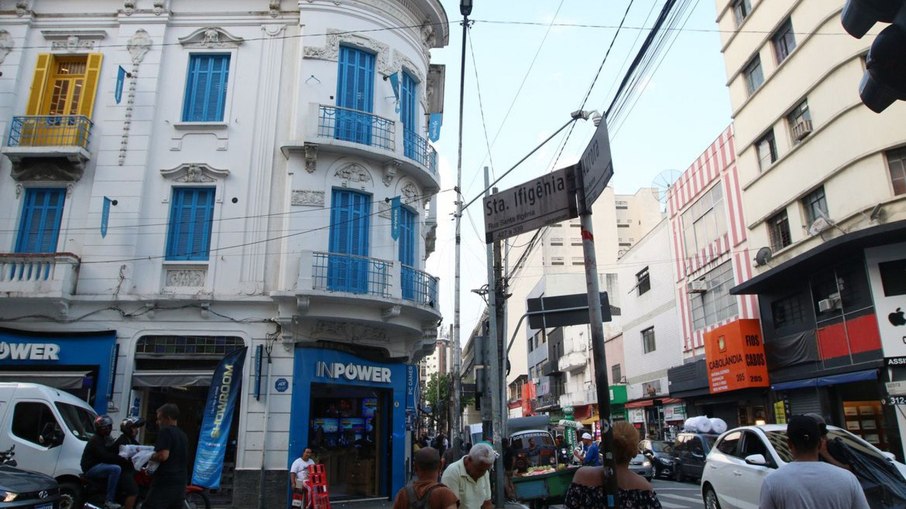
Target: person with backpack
x=425 y=492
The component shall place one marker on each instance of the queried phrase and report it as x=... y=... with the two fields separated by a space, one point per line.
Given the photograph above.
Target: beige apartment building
x=824 y=197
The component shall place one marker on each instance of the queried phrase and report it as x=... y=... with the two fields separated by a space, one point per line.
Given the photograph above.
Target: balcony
x=356 y=299
x=38 y=275
x=48 y=147
x=573 y=361
x=342 y=130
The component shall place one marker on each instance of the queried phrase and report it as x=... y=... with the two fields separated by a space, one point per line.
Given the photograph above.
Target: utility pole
x=493 y=359
x=465 y=8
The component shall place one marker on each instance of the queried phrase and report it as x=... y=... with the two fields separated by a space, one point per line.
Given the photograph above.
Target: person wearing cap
x=807 y=482
x=588 y=455
x=829 y=451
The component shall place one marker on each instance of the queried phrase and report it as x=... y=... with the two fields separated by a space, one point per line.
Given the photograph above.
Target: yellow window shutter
x=92 y=73
x=39 y=84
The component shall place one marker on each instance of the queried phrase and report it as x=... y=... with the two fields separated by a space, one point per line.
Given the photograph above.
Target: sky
x=529 y=64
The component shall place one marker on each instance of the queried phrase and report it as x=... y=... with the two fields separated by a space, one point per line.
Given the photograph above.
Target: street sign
x=597 y=167
x=896 y=388
x=536 y=203
x=553 y=315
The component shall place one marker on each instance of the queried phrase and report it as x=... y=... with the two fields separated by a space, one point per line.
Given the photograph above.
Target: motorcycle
x=6 y=457
x=94 y=493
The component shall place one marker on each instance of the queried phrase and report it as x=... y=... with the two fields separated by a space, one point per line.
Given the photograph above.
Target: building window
x=39 y=226
x=557 y=260
x=643 y=281
x=30 y=419
x=896 y=161
x=355 y=94
x=408 y=106
x=191 y=217
x=347 y=268
x=648 y=345
x=815 y=205
x=779 y=229
x=578 y=260
x=800 y=121
x=787 y=311
x=766 y=147
x=531 y=344
x=784 y=41
x=408 y=225
x=575 y=241
x=556 y=241
x=741 y=10
x=715 y=304
x=64 y=85
x=615 y=374
x=206 y=87
x=753 y=75
x=705 y=221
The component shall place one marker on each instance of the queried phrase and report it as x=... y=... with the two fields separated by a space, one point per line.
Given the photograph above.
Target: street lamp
x=465 y=7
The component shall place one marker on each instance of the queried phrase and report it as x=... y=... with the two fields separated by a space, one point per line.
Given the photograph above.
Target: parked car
x=22 y=489
x=641 y=465
x=660 y=454
x=689 y=453
x=744 y=456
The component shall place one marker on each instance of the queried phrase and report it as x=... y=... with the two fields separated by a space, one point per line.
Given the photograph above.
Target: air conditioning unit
x=802 y=129
x=819 y=225
x=826 y=305
x=698 y=286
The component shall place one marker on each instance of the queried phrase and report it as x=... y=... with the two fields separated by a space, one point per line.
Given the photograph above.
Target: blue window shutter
x=191 y=218
x=408 y=90
x=355 y=91
x=407 y=251
x=350 y=214
x=39 y=226
x=206 y=86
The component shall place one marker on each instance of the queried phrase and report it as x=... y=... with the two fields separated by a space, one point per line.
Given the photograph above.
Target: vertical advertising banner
x=735 y=357
x=218 y=415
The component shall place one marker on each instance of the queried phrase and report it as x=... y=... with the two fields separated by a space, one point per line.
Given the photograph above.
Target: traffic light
x=884 y=81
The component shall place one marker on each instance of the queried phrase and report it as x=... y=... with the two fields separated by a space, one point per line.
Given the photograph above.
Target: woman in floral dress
x=587 y=488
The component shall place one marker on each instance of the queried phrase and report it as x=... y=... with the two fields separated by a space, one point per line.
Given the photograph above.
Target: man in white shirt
x=807 y=483
x=298 y=473
x=469 y=479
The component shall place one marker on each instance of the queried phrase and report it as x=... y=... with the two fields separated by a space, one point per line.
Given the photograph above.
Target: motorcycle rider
x=101 y=462
x=128 y=432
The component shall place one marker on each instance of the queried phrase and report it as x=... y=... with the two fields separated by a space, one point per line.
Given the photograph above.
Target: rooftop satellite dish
x=663 y=182
x=763 y=256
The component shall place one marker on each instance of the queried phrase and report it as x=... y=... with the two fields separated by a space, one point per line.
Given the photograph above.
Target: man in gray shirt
x=807 y=483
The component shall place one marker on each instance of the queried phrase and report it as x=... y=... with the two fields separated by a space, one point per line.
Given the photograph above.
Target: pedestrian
x=100 y=461
x=424 y=491
x=588 y=454
x=168 y=483
x=829 y=451
x=807 y=482
x=128 y=436
x=469 y=479
x=587 y=488
x=452 y=454
x=298 y=475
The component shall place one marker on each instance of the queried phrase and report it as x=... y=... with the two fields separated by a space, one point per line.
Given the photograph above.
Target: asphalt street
x=673 y=495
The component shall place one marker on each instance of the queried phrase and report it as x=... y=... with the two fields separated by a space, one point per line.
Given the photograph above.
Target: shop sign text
x=29 y=351
x=352 y=371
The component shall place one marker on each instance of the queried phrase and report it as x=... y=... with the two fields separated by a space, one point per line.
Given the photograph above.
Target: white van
x=49 y=428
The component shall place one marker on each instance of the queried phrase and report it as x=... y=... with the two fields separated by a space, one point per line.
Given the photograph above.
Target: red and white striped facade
x=715 y=166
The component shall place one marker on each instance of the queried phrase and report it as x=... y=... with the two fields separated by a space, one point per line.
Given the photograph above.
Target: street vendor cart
x=541 y=489
x=539 y=479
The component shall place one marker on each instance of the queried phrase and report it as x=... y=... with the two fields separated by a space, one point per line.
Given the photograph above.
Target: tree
x=437 y=396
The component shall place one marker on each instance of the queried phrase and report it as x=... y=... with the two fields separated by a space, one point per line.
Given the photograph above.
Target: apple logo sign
x=897 y=318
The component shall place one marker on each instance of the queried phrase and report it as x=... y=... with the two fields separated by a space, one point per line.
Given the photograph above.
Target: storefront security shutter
x=803 y=401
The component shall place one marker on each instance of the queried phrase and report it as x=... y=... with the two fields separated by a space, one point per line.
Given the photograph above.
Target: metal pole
x=493 y=363
x=267 y=414
x=596 y=324
x=457 y=346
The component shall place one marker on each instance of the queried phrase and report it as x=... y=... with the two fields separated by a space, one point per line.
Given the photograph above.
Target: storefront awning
x=591 y=420
x=639 y=404
x=172 y=379
x=58 y=379
x=821 y=381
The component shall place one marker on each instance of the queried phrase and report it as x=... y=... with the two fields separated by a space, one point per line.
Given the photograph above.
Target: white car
x=742 y=457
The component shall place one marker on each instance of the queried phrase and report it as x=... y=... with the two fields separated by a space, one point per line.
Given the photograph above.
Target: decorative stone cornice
x=194 y=173
x=73 y=40
x=310 y=151
x=210 y=38
x=331 y=49
x=6 y=44
x=139 y=45
x=353 y=174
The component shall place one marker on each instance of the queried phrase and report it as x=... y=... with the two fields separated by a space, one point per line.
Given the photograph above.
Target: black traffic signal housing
x=884 y=81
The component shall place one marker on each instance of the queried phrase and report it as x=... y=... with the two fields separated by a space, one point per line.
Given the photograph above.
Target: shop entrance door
x=349 y=434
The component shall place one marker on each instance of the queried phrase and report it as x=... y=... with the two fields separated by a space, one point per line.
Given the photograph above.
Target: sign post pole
x=596 y=163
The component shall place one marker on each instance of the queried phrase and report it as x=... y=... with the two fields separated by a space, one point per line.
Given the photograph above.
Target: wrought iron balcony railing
x=418 y=286
x=50 y=131
x=419 y=150
x=356 y=126
x=336 y=272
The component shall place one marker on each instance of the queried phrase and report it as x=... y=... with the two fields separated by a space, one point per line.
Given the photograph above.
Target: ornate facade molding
x=210 y=37
x=410 y=192
x=384 y=209
x=402 y=63
x=307 y=198
x=194 y=173
x=275 y=8
x=6 y=44
x=139 y=45
x=391 y=169
x=159 y=7
x=22 y=8
x=186 y=278
x=310 y=151
x=353 y=175
x=331 y=49
x=345 y=331
x=74 y=40
x=128 y=7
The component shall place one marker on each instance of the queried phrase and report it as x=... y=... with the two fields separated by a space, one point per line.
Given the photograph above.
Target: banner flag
x=434 y=122
x=218 y=416
x=395 y=218
x=395 y=85
x=120 y=78
x=105 y=216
